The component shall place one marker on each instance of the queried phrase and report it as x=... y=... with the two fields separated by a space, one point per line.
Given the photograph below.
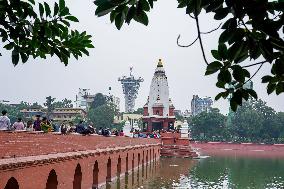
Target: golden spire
x=160 y=63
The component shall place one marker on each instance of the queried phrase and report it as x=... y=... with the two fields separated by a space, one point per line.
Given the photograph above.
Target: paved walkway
x=13 y=145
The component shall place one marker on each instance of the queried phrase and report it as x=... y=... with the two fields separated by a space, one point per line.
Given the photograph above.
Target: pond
x=209 y=172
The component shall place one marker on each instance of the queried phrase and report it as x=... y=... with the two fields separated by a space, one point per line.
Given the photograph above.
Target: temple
x=159 y=109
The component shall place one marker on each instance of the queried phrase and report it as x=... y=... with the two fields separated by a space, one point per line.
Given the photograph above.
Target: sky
x=115 y=51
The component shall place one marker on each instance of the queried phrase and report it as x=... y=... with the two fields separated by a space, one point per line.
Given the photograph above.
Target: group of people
x=108 y=132
x=45 y=125
x=138 y=134
x=5 y=123
x=38 y=125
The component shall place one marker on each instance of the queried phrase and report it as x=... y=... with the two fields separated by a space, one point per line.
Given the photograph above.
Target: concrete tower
x=130 y=86
x=159 y=109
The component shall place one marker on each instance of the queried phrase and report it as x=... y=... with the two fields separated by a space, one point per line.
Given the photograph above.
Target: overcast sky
x=115 y=51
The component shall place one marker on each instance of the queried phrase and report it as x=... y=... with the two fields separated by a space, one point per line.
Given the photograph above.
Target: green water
x=211 y=172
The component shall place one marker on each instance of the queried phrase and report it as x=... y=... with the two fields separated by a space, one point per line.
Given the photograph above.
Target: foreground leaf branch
x=252 y=31
x=27 y=32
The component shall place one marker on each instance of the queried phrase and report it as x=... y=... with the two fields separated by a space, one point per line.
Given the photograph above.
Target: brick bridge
x=48 y=161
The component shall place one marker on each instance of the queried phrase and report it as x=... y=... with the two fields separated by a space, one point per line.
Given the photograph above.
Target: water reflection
x=212 y=172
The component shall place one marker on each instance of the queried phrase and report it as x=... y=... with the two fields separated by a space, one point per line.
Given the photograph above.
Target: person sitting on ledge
x=18 y=125
x=45 y=125
x=4 y=121
x=81 y=128
x=37 y=123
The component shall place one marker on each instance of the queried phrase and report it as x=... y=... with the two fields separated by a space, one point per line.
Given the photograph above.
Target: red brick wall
x=33 y=174
x=35 y=177
x=244 y=149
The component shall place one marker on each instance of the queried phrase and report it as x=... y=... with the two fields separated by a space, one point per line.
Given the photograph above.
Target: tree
x=178 y=116
x=27 y=32
x=77 y=119
x=280 y=118
x=13 y=112
x=36 y=105
x=102 y=116
x=49 y=104
x=99 y=100
x=251 y=30
x=139 y=111
x=65 y=103
x=211 y=124
x=256 y=122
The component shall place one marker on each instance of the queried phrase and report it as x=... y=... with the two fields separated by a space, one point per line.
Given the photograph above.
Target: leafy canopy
x=251 y=31
x=27 y=32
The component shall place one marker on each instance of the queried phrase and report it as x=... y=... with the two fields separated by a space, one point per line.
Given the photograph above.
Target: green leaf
x=151 y=3
x=24 y=57
x=220 y=84
x=9 y=46
x=214 y=5
x=225 y=76
x=56 y=8
x=64 y=12
x=238 y=73
x=130 y=14
x=246 y=73
x=225 y=36
x=104 y=9
x=230 y=24
x=142 y=18
x=112 y=16
x=233 y=105
x=48 y=32
x=32 y=1
x=238 y=96
x=252 y=93
x=145 y=5
x=47 y=9
x=266 y=79
x=41 y=9
x=280 y=88
x=222 y=50
x=66 y=23
x=222 y=94
x=213 y=67
x=216 y=55
x=270 y=87
x=236 y=50
x=72 y=18
x=119 y=19
x=221 y=13
x=61 y=4
x=15 y=56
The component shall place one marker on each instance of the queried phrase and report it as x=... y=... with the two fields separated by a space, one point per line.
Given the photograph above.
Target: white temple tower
x=159 y=110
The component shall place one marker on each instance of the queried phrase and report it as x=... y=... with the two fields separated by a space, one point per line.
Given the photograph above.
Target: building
x=68 y=114
x=85 y=100
x=81 y=98
x=159 y=109
x=199 y=105
x=31 y=113
x=58 y=114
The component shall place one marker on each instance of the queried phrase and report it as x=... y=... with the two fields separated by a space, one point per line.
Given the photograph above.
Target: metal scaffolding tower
x=130 y=86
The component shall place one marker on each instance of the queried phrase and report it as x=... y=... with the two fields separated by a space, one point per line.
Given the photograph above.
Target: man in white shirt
x=4 y=121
